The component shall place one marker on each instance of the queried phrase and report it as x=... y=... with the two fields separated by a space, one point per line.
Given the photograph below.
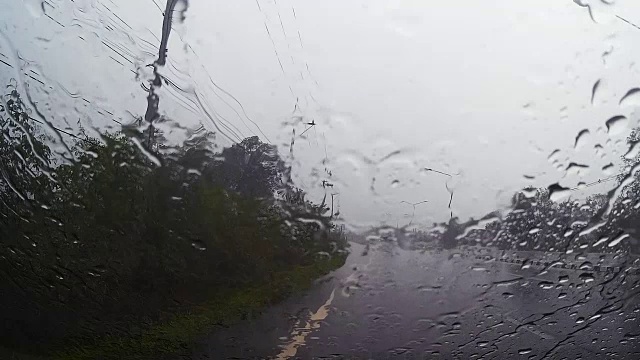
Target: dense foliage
x=94 y=244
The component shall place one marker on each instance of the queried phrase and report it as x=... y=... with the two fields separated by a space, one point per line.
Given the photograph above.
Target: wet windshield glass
x=252 y=179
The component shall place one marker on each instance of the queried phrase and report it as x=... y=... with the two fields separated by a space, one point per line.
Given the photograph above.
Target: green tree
x=111 y=239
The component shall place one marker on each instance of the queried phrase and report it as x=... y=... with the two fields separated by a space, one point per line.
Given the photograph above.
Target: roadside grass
x=182 y=330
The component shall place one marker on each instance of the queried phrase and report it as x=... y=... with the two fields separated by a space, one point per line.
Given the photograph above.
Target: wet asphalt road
x=390 y=303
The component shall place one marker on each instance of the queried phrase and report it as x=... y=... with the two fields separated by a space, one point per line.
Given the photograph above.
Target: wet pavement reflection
x=389 y=302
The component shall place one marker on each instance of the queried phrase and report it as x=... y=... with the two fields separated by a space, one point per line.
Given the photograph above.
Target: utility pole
x=153 y=100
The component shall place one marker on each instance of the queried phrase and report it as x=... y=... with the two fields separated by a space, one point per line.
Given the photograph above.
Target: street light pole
x=414 y=208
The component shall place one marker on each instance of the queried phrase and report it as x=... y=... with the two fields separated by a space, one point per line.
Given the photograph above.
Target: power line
x=158 y=6
x=628 y=22
x=599 y=181
x=439 y=172
x=414 y=204
x=64 y=131
x=57 y=129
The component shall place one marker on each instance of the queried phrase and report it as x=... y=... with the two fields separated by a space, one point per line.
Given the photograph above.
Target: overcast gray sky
x=483 y=89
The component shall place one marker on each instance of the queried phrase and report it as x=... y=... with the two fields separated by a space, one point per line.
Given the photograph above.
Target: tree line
x=537 y=223
x=105 y=238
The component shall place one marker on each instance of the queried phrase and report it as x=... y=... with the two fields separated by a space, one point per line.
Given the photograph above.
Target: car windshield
x=304 y=179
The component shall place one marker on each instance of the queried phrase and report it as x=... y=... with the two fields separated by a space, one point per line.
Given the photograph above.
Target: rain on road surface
x=391 y=303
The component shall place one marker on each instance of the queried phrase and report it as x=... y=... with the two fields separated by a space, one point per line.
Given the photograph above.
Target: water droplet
x=581 y=139
x=198 y=245
x=587 y=265
x=606 y=54
x=600 y=241
x=35 y=7
x=546 y=285
x=553 y=157
x=194 y=172
x=617 y=240
x=631 y=98
x=599 y=150
x=587 y=277
x=577 y=169
x=596 y=85
x=633 y=152
x=616 y=125
x=557 y=192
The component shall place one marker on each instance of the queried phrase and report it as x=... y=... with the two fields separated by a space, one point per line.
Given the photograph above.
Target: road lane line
x=299 y=336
